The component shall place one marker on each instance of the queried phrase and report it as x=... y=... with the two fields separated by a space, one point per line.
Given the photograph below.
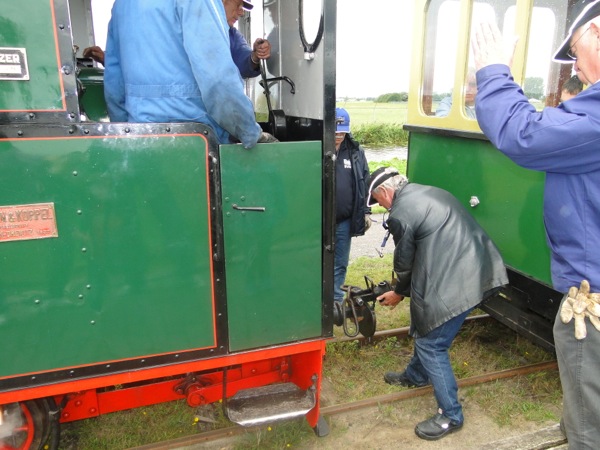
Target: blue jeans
x=342 y=256
x=431 y=364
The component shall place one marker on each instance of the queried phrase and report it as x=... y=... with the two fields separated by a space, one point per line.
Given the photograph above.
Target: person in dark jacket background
x=447 y=264
x=351 y=177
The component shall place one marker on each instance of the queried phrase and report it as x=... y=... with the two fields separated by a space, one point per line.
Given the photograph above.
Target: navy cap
x=581 y=13
x=377 y=177
x=247 y=5
x=342 y=121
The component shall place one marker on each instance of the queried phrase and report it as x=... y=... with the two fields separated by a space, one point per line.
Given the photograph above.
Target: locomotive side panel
x=272 y=255
x=129 y=271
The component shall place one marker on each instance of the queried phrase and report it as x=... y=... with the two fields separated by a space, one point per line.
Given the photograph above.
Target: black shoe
x=436 y=428
x=400 y=379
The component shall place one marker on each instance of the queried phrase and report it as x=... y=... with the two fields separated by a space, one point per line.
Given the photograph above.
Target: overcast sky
x=373 y=47
x=373 y=44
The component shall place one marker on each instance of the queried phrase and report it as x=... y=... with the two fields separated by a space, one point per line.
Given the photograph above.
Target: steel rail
x=397 y=332
x=352 y=406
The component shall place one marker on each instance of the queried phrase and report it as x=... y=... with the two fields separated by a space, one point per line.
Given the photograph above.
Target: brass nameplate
x=24 y=222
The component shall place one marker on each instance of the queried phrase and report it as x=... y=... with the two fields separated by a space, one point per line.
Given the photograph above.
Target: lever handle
x=249 y=208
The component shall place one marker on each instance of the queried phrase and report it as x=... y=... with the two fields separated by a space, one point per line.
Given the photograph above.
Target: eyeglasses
x=570 y=53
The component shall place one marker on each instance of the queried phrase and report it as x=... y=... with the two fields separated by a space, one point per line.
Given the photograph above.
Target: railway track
x=343 y=408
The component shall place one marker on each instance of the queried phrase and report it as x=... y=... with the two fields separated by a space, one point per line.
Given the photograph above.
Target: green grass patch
x=362 y=113
x=381 y=135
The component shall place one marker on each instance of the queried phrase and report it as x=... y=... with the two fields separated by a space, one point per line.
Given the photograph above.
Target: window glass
x=441 y=45
x=101 y=15
x=543 y=76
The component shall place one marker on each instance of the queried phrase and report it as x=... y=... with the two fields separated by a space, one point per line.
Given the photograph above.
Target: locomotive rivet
x=228 y=214
x=127 y=130
x=71 y=372
x=218 y=280
x=86 y=131
x=84 y=249
x=205 y=133
x=20 y=133
x=219 y=314
x=78 y=403
x=71 y=115
x=168 y=129
x=143 y=361
x=108 y=366
x=176 y=356
x=32 y=378
x=226 y=199
x=66 y=415
x=93 y=322
x=75 y=173
x=80 y=296
x=71 y=131
x=61 y=26
x=79 y=212
x=37 y=302
x=242 y=198
x=93 y=410
x=31 y=115
x=88 y=286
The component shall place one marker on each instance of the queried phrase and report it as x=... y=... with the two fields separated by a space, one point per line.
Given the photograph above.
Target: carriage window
x=441 y=45
x=543 y=77
x=444 y=28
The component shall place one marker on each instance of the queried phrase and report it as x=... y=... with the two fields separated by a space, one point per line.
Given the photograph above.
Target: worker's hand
x=368 y=222
x=489 y=47
x=267 y=138
x=390 y=299
x=579 y=304
x=261 y=49
x=95 y=52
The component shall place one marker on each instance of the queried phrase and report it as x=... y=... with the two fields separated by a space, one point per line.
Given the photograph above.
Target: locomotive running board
x=270 y=403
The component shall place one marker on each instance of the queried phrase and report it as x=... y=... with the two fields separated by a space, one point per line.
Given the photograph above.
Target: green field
x=363 y=113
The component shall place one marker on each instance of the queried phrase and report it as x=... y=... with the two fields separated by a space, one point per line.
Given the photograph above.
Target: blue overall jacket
x=564 y=142
x=170 y=61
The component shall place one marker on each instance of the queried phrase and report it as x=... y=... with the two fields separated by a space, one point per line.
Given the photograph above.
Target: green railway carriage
x=144 y=262
x=450 y=151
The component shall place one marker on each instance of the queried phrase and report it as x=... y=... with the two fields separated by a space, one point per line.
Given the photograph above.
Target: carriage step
x=270 y=403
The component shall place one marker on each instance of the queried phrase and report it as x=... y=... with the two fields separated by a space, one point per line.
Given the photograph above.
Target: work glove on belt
x=579 y=304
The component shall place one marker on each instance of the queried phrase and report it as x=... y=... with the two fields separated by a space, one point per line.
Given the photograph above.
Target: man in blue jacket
x=170 y=61
x=351 y=177
x=245 y=58
x=563 y=142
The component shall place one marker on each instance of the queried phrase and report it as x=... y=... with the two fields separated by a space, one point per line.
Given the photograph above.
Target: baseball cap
x=581 y=13
x=342 y=121
x=247 y=5
x=377 y=177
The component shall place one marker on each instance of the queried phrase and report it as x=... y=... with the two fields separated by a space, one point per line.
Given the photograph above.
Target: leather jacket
x=443 y=259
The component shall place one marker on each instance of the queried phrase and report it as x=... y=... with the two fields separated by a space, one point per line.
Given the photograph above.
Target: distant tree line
x=393 y=97
x=533 y=88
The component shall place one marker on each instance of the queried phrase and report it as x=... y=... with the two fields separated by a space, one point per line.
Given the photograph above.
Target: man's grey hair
x=396 y=182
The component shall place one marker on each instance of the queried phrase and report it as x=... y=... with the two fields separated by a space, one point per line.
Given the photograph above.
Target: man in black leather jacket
x=447 y=264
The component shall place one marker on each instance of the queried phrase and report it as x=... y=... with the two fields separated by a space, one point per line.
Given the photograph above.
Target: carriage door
x=271 y=197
